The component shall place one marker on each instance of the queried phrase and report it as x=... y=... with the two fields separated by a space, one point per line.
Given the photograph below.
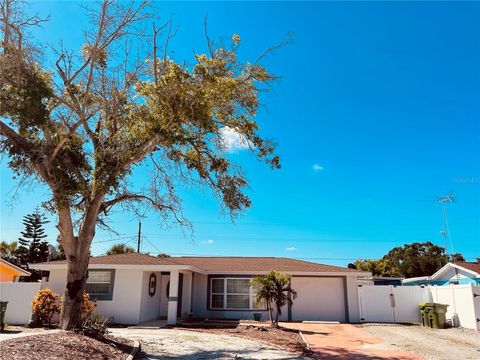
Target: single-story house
x=10 y=272
x=134 y=288
x=457 y=273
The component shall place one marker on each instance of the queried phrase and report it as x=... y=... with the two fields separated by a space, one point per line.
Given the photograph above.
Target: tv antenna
x=445 y=232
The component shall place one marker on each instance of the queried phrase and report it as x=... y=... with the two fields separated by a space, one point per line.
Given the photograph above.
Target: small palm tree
x=117 y=249
x=263 y=292
x=274 y=288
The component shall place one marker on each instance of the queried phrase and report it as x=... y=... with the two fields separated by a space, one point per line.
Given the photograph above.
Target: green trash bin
x=436 y=314
x=3 y=309
x=424 y=315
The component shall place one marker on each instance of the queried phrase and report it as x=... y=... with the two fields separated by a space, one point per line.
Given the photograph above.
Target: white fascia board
x=440 y=271
x=465 y=269
x=292 y=273
x=419 y=278
x=48 y=267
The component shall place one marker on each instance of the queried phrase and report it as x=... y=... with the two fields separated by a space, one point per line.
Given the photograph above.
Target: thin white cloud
x=317 y=167
x=291 y=248
x=232 y=141
x=208 y=242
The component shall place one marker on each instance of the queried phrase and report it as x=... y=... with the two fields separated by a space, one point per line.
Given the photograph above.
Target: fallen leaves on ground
x=63 y=346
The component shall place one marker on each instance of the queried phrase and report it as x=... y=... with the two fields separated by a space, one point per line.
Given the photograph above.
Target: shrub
x=93 y=325
x=88 y=306
x=45 y=304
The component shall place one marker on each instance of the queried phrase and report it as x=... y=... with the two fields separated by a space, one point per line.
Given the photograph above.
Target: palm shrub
x=263 y=292
x=274 y=288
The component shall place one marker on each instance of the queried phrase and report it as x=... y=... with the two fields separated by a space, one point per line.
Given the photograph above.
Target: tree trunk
x=269 y=308
x=276 y=316
x=77 y=253
x=72 y=302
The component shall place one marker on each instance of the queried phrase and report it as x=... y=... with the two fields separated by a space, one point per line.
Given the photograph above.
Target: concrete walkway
x=348 y=342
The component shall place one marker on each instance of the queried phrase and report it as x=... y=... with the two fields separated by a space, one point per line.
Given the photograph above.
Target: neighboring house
x=134 y=288
x=10 y=272
x=458 y=273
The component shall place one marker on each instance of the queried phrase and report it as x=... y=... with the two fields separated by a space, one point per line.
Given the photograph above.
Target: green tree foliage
x=275 y=290
x=410 y=260
x=120 y=249
x=32 y=245
x=81 y=124
x=8 y=251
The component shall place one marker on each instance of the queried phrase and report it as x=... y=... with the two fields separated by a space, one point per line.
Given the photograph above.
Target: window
x=233 y=294
x=100 y=284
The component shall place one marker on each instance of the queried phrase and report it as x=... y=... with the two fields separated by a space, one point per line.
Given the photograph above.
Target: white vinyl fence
x=391 y=304
x=399 y=304
x=19 y=296
x=464 y=304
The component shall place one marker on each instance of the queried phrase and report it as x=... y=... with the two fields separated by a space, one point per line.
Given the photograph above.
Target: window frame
x=105 y=296
x=225 y=293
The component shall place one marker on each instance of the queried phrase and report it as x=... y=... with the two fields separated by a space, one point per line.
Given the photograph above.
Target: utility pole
x=139 y=235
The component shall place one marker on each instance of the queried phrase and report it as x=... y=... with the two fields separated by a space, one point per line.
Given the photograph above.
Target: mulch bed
x=286 y=339
x=64 y=345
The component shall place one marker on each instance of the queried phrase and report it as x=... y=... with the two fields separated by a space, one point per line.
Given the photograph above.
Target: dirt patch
x=432 y=344
x=64 y=345
x=283 y=338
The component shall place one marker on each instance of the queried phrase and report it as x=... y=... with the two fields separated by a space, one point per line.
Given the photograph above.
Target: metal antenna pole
x=446 y=232
x=139 y=235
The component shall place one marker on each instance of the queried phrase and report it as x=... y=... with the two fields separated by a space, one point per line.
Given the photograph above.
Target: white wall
x=163 y=296
x=150 y=305
x=124 y=308
x=19 y=297
x=352 y=299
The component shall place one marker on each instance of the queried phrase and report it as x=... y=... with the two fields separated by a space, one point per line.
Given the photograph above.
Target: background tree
x=8 y=251
x=117 y=249
x=32 y=245
x=82 y=125
x=409 y=260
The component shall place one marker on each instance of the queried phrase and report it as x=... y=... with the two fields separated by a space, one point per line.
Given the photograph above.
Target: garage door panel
x=320 y=299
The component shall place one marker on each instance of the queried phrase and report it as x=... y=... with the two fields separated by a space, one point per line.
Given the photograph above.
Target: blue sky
x=376 y=115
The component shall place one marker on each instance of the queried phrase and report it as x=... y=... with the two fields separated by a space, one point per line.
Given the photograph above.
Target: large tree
x=409 y=260
x=82 y=125
x=33 y=248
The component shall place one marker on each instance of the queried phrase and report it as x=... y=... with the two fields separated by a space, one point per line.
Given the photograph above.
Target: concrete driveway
x=195 y=345
x=348 y=342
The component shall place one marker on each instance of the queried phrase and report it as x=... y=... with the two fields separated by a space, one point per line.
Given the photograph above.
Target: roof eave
x=16 y=268
x=166 y=267
x=292 y=273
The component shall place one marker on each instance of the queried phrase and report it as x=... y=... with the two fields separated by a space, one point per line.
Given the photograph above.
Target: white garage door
x=321 y=299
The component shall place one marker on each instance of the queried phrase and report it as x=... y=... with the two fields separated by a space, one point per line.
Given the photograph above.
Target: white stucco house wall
x=134 y=288
x=457 y=273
